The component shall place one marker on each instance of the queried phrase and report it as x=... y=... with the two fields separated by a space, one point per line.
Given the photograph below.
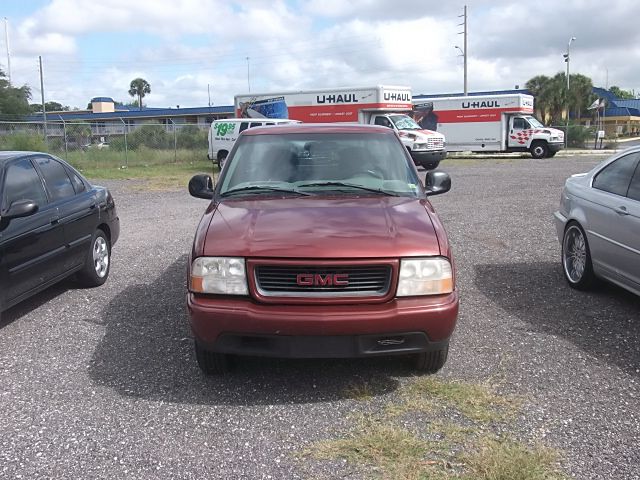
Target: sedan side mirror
x=21 y=208
x=201 y=186
x=437 y=183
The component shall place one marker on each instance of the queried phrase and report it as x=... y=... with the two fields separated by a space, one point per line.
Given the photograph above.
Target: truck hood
x=322 y=227
x=417 y=135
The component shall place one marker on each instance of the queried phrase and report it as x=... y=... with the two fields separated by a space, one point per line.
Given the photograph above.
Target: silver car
x=598 y=223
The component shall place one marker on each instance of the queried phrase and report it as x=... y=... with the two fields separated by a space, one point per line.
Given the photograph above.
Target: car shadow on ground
x=147 y=352
x=27 y=306
x=604 y=322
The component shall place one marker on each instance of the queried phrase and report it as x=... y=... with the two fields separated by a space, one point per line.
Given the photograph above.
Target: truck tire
x=431 y=362
x=211 y=363
x=222 y=156
x=539 y=149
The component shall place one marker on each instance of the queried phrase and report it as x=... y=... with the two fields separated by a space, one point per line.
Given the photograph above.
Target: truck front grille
x=435 y=143
x=323 y=281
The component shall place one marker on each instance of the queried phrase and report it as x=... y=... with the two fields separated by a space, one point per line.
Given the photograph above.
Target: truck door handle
x=55 y=219
x=621 y=210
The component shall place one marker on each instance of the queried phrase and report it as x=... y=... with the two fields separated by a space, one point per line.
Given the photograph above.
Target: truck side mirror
x=201 y=186
x=437 y=182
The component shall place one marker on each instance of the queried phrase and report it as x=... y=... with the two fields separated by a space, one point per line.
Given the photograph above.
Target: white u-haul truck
x=489 y=123
x=389 y=106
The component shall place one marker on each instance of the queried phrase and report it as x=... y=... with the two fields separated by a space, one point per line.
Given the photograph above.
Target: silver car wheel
x=100 y=256
x=574 y=254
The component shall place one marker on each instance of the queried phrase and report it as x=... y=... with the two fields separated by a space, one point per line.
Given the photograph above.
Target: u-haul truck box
x=389 y=106
x=490 y=123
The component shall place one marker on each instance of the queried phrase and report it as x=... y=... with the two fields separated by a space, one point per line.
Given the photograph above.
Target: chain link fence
x=117 y=143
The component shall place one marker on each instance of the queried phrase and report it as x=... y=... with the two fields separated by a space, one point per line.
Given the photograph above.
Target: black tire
x=211 y=363
x=551 y=154
x=222 y=156
x=431 y=362
x=576 y=258
x=98 y=262
x=539 y=149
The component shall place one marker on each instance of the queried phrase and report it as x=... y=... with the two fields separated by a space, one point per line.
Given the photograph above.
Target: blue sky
x=96 y=48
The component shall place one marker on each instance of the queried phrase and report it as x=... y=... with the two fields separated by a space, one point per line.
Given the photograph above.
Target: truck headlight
x=419 y=146
x=221 y=275
x=425 y=276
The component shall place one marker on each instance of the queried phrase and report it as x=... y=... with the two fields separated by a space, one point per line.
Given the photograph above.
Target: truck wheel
x=211 y=363
x=551 y=154
x=222 y=156
x=431 y=362
x=539 y=149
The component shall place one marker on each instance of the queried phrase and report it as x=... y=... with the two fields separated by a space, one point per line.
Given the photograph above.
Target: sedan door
x=630 y=231
x=76 y=208
x=610 y=239
x=31 y=247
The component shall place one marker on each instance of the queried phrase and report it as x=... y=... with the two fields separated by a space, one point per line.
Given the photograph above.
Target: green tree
x=49 y=106
x=552 y=98
x=13 y=101
x=619 y=93
x=139 y=87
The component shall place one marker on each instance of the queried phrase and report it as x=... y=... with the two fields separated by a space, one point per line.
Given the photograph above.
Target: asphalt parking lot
x=103 y=383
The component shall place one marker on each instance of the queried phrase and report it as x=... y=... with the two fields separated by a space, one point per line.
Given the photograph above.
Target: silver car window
x=634 y=187
x=616 y=177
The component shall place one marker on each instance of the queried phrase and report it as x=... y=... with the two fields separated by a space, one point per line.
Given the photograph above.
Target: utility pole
x=567 y=58
x=209 y=94
x=248 y=77
x=44 y=110
x=464 y=49
x=6 y=36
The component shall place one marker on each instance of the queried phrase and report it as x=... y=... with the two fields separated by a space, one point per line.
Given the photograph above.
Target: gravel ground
x=103 y=383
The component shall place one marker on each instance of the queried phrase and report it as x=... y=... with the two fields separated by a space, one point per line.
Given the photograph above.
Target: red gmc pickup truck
x=320 y=241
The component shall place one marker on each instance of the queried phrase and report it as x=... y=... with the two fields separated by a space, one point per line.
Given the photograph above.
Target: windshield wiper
x=349 y=185
x=263 y=189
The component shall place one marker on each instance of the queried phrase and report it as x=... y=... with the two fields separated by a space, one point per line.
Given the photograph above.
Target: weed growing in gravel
x=451 y=434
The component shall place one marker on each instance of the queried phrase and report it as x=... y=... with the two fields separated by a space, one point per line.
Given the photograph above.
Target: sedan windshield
x=319 y=164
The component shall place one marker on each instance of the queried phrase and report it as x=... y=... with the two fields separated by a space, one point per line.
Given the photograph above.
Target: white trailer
x=389 y=106
x=489 y=123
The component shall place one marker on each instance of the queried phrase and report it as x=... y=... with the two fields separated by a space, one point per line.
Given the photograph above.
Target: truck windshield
x=320 y=164
x=534 y=122
x=404 y=122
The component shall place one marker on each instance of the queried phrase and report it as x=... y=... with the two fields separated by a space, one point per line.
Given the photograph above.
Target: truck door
x=383 y=121
x=518 y=132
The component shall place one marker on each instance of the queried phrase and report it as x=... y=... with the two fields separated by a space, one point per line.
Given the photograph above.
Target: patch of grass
x=474 y=401
x=392 y=452
x=503 y=459
x=442 y=447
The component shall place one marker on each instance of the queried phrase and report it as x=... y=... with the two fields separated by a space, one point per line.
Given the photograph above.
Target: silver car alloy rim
x=100 y=256
x=574 y=257
x=538 y=151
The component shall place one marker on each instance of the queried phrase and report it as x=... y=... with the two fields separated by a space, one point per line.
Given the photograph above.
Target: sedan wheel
x=576 y=258
x=96 y=268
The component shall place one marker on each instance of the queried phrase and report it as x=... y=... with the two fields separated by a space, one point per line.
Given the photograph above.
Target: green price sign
x=223 y=128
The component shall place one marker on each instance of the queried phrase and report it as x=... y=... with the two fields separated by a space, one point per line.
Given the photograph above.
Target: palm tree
x=139 y=87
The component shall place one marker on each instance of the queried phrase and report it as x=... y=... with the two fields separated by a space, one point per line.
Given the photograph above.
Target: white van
x=224 y=133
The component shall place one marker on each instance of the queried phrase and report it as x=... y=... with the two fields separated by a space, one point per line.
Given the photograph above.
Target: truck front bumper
x=245 y=327
x=555 y=147
x=428 y=159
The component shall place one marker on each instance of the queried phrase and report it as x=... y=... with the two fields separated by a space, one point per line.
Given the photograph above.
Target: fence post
x=126 y=149
x=64 y=129
x=175 y=142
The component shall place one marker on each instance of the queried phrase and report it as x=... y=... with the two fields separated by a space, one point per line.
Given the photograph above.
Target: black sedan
x=53 y=223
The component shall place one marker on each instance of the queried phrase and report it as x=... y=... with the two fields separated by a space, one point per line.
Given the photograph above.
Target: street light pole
x=567 y=58
x=248 y=77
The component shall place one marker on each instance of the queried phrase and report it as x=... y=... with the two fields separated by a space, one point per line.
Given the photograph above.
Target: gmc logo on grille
x=322 y=280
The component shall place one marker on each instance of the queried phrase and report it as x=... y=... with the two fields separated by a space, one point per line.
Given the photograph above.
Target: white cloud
x=300 y=45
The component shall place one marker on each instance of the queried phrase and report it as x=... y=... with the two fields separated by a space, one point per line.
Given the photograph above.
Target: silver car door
x=630 y=230
x=608 y=242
